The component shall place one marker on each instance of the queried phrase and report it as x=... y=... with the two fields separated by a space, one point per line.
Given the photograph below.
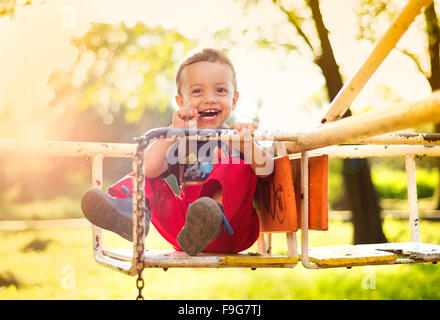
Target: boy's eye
x=221 y=90
x=196 y=91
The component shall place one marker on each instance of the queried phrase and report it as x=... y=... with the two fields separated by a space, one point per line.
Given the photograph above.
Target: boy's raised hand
x=259 y=160
x=244 y=129
x=185 y=117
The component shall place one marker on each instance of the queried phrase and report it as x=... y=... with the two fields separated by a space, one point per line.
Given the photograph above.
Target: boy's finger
x=243 y=131
x=181 y=113
x=192 y=120
x=239 y=130
x=188 y=114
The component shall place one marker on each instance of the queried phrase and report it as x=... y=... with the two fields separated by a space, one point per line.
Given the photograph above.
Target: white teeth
x=209 y=113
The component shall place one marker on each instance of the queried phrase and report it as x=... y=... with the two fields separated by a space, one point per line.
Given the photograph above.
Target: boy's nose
x=210 y=97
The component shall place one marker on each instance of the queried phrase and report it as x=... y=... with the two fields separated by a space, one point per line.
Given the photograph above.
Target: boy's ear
x=234 y=100
x=179 y=101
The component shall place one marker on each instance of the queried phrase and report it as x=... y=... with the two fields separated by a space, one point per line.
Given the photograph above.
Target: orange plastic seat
x=275 y=199
x=278 y=197
x=318 y=191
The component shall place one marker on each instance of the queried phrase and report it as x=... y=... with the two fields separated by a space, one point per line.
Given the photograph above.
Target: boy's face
x=208 y=87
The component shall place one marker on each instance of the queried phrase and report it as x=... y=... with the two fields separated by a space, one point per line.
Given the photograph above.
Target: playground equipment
x=133 y=262
x=370 y=134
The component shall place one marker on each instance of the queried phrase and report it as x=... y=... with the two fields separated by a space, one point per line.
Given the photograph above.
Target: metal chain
x=138 y=167
x=140 y=210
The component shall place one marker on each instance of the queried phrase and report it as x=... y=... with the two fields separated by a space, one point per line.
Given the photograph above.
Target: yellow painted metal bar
x=348 y=255
x=258 y=260
x=380 y=51
x=371 y=123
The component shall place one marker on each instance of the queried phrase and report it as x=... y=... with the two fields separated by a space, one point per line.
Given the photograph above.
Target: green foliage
x=389 y=179
x=370 y=15
x=124 y=67
x=7 y=7
x=392 y=184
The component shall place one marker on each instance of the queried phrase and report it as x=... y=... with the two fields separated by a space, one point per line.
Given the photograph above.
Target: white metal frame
x=167 y=259
x=120 y=260
x=409 y=152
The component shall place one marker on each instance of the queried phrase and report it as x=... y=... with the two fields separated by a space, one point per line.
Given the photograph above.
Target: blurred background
x=103 y=71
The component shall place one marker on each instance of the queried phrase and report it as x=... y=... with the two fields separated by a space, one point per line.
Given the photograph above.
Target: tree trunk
x=437 y=189
x=359 y=189
x=433 y=34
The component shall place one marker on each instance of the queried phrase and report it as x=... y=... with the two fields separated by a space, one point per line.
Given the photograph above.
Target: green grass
x=62 y=266
x=61 y=207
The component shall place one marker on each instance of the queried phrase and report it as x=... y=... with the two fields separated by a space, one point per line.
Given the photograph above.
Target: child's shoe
x=110 y=213
x=202 y=225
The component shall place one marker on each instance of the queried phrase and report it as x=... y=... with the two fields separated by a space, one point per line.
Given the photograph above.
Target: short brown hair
x=207 y=54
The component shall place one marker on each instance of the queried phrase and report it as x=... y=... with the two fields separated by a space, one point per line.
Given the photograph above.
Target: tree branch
x=291 y=19
x=414 y=59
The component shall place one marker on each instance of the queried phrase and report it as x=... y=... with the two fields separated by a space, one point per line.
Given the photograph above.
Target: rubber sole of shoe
x=98 y=209
x=202 y=225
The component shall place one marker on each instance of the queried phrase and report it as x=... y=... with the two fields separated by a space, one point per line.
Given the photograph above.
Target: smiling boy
x=215 y=191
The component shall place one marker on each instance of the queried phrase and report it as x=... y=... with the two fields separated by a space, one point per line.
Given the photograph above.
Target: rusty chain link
x=139 y=193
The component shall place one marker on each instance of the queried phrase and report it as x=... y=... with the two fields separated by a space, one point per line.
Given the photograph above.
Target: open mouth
x=209 y=114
